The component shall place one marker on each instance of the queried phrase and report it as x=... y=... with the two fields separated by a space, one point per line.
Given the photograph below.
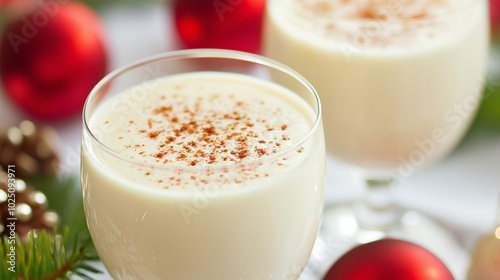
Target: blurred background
x=53 y=52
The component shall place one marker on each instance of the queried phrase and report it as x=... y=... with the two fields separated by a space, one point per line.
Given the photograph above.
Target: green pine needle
x=46 y=257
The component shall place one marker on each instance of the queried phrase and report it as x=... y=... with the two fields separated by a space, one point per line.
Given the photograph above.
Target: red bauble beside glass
x=225 y=24
x=495 y=15
x=51 y=58
x=389 y=259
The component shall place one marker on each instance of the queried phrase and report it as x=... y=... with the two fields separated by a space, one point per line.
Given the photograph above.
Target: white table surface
x=462 y=191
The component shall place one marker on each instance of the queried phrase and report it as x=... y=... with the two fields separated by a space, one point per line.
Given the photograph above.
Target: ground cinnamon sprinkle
x=159 y=155
x=162 y=110
x=346 y=20
x=169 y=140
x=154 y=134
x=222 y=137
x=216 y=129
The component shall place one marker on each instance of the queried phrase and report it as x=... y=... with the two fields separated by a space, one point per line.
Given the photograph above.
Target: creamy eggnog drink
x=202 y=174
x=399 y=80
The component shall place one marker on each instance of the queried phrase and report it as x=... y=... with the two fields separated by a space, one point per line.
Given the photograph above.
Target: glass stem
x=377 y=209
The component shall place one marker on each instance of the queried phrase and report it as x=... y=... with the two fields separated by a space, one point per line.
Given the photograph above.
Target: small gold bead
x=3 y=196
x=38 y=198
x=15 y=136
x=23 y=212
x=20 y=186
x=51 y=219
x=27 y=128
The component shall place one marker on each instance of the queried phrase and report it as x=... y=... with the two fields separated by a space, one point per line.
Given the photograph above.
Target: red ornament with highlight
x=51 y=58
x=225 y=24
x=495 y=15
x=389 y=259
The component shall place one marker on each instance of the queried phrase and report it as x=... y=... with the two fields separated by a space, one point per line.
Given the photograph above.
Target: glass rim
x=202 y=53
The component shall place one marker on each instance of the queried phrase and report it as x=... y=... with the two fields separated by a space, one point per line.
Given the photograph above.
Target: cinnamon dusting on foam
x=198 y=134
x=211 y=123
x=372 y=23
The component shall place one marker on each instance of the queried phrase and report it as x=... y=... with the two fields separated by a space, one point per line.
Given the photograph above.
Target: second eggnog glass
x=400 y=82
x=195 y=165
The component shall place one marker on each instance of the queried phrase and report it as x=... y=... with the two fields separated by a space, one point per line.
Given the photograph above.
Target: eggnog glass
x=195 y=165
x=400 y=82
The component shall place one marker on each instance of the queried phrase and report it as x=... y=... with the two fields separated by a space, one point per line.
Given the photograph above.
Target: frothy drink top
x=371 y=23
x=201 y=121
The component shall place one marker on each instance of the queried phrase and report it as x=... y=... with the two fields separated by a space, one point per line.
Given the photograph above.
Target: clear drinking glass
x=400 y=82
x=251 y=217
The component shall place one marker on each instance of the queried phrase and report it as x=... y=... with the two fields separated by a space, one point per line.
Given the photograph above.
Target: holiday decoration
x=34 y=202
x=485 y=263
x=389 y=259
x=30 y=149
x=226 y=24
x=26 y=151
x=28 y=156
x=51 y=58
x=15 y=6
x=46 y=257
x=25 y=206
x=495 y=15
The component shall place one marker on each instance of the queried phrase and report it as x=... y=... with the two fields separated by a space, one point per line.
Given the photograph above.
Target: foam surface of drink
x=373 y=24
x=204 y=120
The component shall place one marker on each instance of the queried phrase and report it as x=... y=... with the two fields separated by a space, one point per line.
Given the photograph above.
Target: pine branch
x=47 y=257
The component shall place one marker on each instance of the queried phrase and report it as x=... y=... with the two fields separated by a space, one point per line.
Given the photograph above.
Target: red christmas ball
x=389 y=259
x=225 y=24
x=4 y=3
x=17 y=3
x=495 y=14
x=51 y=58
